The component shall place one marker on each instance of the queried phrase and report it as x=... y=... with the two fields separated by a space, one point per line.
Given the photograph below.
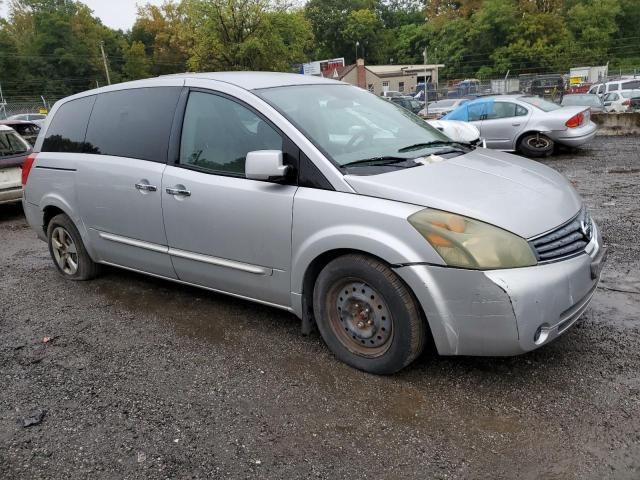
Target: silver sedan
x=527 y=124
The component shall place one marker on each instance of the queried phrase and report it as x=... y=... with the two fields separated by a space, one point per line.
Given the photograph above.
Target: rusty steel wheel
x=367 y=316
x=360 y=318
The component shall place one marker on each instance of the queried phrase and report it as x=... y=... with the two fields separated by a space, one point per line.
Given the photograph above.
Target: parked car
x=37 y=118
x=27 y=130
x=526 y=124
x=408 y=102
x=548 y=86
x=618 y=102
x=598 y=89
x=615 y=86
x=634 y=105
x=13 y=152
x=319 y=198
x=440 y=108
x=594 y=102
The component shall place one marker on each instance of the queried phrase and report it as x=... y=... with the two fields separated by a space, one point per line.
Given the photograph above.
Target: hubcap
x=64 y=251
x=361 y=319
x=538 y=143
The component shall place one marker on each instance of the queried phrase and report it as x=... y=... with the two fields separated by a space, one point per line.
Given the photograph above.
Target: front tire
x=67 y=250
x=367 y=316
x=535 y=145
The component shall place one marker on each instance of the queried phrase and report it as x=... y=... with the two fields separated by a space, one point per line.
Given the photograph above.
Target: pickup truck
x=13 y=152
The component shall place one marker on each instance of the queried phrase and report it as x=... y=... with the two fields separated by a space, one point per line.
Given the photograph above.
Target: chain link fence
x=16 y=106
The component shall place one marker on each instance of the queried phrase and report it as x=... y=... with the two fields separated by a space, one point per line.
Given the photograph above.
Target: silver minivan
x=319 y=198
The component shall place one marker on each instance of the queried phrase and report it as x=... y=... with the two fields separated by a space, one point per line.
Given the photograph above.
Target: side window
x=133 y=123
x=521 y=111
x=477 y=111
x=601 y=90
x=613 y=87
x=68 y=127
x=217 y=134
x=501 y=110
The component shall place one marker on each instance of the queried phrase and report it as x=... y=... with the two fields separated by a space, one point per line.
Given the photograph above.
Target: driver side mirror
x=266 y=165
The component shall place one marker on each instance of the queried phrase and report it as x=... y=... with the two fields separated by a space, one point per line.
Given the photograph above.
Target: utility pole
x=426 y=93
x=106 y=66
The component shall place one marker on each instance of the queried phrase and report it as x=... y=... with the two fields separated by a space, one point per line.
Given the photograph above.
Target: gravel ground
x=142 y=378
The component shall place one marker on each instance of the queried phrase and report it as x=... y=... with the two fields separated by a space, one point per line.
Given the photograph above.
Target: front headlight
x=468 y=243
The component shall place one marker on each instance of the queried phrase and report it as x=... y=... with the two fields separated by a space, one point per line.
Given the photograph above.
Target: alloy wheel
x=64 y=251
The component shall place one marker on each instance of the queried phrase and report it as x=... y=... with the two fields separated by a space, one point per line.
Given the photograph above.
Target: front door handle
x=181 y=192
x=145 y=187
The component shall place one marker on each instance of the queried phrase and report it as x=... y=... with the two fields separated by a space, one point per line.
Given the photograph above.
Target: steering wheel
x=358 y=138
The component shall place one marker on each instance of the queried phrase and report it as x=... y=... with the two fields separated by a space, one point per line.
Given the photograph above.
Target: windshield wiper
x=435 y=143
x=386 y=160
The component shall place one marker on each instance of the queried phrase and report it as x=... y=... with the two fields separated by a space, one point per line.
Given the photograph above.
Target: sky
x=113 y=13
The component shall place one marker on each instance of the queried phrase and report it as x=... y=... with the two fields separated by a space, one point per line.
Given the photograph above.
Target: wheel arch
x=315 y=267
x=52 y=205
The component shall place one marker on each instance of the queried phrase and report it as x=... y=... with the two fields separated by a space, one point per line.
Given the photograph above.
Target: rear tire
x=535 y=145
x=367 y=316
x=67 y=250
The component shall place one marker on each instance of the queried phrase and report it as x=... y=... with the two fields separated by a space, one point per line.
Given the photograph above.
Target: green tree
x=136 y=64
x=246 y=35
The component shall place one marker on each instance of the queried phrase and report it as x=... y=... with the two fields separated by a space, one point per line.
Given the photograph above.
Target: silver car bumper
x=504 y=312
x=574 y=137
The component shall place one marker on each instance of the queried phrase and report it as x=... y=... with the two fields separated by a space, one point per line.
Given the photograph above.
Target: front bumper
x=504 y=312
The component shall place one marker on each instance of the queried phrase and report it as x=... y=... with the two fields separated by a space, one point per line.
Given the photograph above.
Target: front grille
x=565 y=241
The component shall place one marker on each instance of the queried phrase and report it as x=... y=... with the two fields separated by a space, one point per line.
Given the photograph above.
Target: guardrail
x=611 y=124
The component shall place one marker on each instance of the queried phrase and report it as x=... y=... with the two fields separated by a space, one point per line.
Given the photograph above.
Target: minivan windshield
x=352 y=126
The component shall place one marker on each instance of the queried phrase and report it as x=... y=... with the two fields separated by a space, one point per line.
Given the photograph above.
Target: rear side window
x=68 y=127
x=133 y=123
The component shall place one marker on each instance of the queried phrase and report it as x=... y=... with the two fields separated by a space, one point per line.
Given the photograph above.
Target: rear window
x=581 y=100
x=68 y=127
x=10 y=144
x=133 y=123
x=541 y=103
x=631 y=94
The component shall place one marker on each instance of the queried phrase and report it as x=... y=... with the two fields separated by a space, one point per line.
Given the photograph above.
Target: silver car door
x=227 y=232
x=502 y=124
x=120 y=178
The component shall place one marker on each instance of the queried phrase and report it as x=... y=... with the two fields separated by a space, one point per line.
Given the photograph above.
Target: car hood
x=516 y=194
x=457 y=131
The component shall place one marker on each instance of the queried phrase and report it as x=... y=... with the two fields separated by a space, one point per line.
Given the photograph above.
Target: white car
x=619 y=101
x=13 y=151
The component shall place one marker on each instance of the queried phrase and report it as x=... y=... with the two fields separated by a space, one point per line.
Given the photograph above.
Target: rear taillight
x=575 y=121
x=26 y=167
x=626 y=103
